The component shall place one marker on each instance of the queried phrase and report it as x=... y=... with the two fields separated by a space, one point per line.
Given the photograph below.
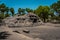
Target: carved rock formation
x=26 y=20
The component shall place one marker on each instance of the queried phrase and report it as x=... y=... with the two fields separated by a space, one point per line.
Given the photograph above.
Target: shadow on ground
x=4 y=35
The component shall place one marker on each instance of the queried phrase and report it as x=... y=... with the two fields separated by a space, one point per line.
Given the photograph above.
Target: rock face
x=26 y=20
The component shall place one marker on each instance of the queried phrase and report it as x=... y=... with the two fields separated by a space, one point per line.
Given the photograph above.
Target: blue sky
x=33 y=4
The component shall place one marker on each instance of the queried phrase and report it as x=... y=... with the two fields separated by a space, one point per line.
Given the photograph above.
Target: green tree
x=23 y=11
x=29 y=10
x=51 y=14
x=42 y=12
x=56 y=7
x=2 y=16
x=7 y=15
x=12 y=11
x=2 y=8
x=7 y=10
x=19 y=11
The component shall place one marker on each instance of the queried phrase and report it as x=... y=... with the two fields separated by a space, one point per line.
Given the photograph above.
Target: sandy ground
x=47 y=31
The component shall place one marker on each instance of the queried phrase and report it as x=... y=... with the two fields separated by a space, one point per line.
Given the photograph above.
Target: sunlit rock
x=26 y=20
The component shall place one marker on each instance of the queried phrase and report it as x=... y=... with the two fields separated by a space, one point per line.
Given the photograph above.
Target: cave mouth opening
x=34 y=20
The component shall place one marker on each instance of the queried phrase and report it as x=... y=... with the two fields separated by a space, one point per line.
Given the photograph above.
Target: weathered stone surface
x=26 y=31
x=16 y=31
x=29 y=19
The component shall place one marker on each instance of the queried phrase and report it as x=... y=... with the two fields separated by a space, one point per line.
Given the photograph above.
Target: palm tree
x=12 y=11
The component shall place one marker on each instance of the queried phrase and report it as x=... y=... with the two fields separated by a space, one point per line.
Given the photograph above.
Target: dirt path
x=46 y=32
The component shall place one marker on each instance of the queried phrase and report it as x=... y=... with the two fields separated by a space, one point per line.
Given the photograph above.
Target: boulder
x=16 y=31
x=26 y=20
x=26 y=31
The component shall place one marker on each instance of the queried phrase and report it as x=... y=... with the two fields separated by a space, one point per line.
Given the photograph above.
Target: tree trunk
x=44 y=20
